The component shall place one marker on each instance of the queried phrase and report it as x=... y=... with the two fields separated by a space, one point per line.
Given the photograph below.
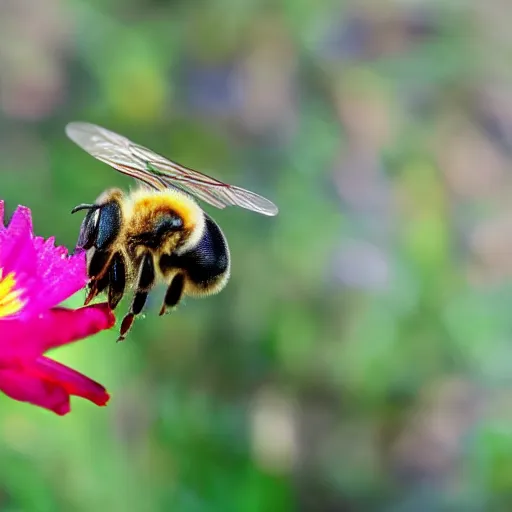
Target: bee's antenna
x=84 y=206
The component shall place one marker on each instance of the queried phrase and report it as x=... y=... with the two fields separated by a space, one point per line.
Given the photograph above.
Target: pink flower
x=35 y=276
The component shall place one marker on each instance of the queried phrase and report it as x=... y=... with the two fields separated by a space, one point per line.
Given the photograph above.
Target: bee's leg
x=97 y=269
x=143 y=285
x=174 y=293
x=98 y=264
x=117 y=280
x=96 y=287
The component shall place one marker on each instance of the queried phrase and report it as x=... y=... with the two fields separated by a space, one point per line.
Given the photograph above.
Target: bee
x=156 y=232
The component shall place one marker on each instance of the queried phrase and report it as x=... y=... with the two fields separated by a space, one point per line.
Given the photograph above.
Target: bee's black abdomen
x=205 y=263
x=210 y=258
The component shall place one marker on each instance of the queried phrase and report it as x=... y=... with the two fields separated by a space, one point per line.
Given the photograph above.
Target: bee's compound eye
x=88 y=229
x=108 y=224
x=95 y=217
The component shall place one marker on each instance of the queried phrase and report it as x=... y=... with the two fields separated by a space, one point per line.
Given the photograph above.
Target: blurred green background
x=361 y=356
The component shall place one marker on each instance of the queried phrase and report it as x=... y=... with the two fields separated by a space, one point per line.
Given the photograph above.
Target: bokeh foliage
x=361 y=356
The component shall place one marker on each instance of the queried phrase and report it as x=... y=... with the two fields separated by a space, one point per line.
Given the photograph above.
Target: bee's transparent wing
x=158 y=172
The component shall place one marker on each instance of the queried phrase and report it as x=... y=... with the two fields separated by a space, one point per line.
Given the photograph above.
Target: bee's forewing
x=159 y=172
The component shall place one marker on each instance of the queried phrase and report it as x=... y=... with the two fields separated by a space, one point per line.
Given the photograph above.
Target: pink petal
x=73 y=382
x=23 y=340
x=46 y=383
x=60 y=275
x=17 y=252
x=68 y=325
x=46 y=274
x=22 y=386
x=21 y=222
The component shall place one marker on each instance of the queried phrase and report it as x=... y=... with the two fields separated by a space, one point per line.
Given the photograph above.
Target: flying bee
x=157 y=232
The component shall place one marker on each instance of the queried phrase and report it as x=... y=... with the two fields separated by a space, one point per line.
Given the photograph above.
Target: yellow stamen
x=10 y=302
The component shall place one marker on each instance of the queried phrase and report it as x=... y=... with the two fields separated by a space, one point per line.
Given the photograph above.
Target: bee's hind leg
x=174 y=293
x=144 y=283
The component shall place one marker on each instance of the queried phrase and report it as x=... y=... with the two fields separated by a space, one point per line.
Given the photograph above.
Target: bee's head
x=102 y=223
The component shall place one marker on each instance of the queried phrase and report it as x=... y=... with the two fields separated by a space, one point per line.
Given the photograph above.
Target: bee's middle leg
x=174 y=293
x=144 y=283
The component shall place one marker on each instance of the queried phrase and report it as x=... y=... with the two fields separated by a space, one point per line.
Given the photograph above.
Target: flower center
x=10 y=302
